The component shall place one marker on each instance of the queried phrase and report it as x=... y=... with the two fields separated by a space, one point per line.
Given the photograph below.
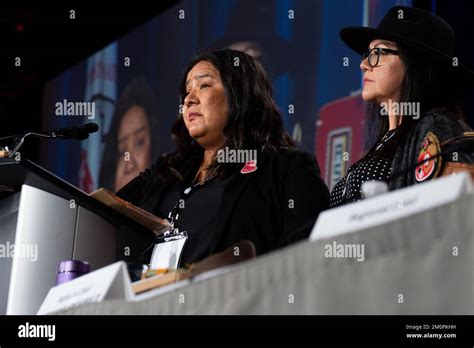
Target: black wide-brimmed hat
x=415 y=28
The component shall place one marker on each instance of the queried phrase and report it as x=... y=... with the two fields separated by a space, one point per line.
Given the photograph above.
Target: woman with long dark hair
x=235 y=174
x=130 y=146
x=413 y=86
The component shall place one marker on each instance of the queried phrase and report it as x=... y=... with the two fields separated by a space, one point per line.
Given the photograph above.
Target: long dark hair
x=427 y=81
x=253 y=123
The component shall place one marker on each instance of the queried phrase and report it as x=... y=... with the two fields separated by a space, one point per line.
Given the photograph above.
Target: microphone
x=78 y=133
x=459 y=144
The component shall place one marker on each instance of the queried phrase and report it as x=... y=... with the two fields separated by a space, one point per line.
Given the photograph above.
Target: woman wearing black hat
x=412 y=83
x=272 y=199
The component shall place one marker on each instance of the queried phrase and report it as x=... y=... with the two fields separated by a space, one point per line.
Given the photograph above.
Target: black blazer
x=273 y=206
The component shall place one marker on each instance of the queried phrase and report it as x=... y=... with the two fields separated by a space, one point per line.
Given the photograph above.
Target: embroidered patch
x=429 y=148
x=250 y=166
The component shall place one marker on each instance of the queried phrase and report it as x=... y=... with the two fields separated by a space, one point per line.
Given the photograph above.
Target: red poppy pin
x=250 y=166
x=429 y=148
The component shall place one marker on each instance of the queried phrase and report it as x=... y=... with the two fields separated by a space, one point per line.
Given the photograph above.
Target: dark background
x=48 y=43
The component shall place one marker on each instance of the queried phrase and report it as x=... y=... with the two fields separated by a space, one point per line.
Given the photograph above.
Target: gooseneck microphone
x=78 y=133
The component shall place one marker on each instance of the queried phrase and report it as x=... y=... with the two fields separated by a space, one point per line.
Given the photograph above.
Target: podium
x=44 y=220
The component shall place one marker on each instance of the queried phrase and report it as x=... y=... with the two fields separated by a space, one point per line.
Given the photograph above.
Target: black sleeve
x=443 y=127
x=406 y=156
x=305 y=196
x=133 y=191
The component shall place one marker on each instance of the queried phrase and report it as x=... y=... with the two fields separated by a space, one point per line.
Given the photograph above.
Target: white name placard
x=390 y=206
x=110 y=282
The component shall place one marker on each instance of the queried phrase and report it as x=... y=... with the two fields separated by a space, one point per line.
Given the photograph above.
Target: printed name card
x=391 y=206
x=110 y=282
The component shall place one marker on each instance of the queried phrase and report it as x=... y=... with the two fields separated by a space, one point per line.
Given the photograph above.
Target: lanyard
x=173 y=215
x=173 y=234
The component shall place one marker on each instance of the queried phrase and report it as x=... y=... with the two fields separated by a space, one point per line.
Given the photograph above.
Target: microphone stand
x=78 y=133
x=21 y=142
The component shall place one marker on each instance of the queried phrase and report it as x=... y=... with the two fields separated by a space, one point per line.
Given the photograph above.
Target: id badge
x=168 y=250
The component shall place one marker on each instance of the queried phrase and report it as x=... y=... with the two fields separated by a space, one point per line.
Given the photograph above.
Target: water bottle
x=71 y=269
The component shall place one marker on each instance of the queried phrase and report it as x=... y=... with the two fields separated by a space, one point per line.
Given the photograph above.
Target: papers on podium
x=150 y=221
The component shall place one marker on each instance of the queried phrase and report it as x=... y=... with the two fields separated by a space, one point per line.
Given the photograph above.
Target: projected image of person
x=251 y=29
x=413 y=91
x=131 y=142
x=235 y=174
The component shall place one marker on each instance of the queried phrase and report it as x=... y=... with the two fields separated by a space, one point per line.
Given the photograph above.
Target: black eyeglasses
x=374 y=55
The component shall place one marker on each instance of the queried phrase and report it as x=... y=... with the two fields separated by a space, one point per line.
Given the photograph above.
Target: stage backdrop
x=131 y=86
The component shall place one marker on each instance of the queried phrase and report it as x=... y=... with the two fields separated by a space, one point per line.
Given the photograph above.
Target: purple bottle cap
x=74 y=266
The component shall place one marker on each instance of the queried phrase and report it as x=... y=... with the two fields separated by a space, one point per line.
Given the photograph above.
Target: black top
x=272 y=206
x=197 y=216
x=369 y=168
